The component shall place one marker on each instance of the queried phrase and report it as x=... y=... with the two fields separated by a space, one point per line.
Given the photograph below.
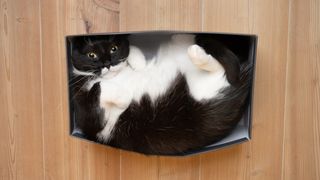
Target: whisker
x=75 y=94
x=123 y=59
x=74 y=78
x=80 y=79
x=76 y=75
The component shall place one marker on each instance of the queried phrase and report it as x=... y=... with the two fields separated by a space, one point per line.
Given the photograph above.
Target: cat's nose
x=107 y=64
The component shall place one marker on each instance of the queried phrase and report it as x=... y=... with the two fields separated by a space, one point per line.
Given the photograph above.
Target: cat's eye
x=113 y=49
x=92 y=55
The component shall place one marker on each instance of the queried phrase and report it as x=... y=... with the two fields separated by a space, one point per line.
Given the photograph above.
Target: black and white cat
x=190 y=94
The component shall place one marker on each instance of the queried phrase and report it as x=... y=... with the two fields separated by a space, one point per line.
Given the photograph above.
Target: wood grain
x=52 y=64
x=66 y=157
x=226 y=16
x=270 y=22
x=136 y=166
x=255 y=17
x=266 y=146
x=21 y=97
x=140 y=15
x=302 y=126
x=229 y=163
x=187 y=168
x=88 y=160
x=34 y=139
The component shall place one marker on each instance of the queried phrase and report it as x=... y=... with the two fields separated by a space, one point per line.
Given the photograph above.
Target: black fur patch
x=177 y=123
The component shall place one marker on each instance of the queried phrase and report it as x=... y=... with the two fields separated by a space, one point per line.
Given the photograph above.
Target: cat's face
x=100 y=55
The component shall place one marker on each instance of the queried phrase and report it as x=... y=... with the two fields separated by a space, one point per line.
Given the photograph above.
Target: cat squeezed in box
x=190 y=94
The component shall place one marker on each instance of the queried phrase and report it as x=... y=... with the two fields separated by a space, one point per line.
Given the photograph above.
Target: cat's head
x=99 y=55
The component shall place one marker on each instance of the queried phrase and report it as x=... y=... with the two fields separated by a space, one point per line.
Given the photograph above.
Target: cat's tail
x=242 y=90
x=246 y=74
x=226 y=112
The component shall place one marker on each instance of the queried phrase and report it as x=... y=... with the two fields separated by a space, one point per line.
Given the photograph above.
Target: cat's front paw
x=136 y=58
x=112 y=95
x=202 y=60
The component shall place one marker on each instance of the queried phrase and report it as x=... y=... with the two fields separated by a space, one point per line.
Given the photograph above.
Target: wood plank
x=92 y=16
x=160 y=15
x=137 y=166
x=67 y=157
x=226 y=16
x=8 y=141
x=157 y=15
x=35 y=149
x=21 y=137
x=52 y=62
x=269 y=20
x=187 y=168
x=228 y=163
x=88 y=160
x=250 y=161
x=302 y=127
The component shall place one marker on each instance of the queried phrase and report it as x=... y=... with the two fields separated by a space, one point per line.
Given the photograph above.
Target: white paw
x=198 y=55
x=136 y=58
x=104 y=135
x=112 y=95
x=111 y=119
x=203 y=60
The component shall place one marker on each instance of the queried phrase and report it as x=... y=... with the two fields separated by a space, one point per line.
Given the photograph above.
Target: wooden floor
x=34 y=140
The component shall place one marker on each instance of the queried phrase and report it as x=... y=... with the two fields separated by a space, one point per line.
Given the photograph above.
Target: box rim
x=160 y=31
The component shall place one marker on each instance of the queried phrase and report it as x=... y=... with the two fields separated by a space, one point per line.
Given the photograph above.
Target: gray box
x=241 y=44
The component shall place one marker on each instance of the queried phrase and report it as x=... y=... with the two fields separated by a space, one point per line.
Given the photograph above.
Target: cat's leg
x=228 y=59
x=203 y=60
x=89 y=115
x=114 y=100
x=136 y=58
x=112 y=115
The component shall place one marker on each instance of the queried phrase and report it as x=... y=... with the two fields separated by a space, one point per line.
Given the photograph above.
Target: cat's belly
x=153 y=80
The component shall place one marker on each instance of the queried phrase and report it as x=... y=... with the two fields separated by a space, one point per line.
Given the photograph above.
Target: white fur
x=78 y=72
x=204 y=75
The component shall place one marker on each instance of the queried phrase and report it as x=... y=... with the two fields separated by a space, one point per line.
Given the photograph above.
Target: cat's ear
x=78 y=41
x=88 y=40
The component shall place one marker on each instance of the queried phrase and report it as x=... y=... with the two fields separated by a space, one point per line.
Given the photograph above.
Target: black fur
x=101 y=46
x=175 y=123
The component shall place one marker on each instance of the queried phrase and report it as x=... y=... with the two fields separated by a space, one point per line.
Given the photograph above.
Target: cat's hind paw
x=198 y=56
x=203 y=60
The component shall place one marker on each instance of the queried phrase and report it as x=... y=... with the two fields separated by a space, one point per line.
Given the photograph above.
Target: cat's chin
x=113 y=71
x=110 y=74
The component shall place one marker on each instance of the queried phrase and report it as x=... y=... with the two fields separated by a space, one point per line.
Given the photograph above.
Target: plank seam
x=283 y=164
x=41 y=79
